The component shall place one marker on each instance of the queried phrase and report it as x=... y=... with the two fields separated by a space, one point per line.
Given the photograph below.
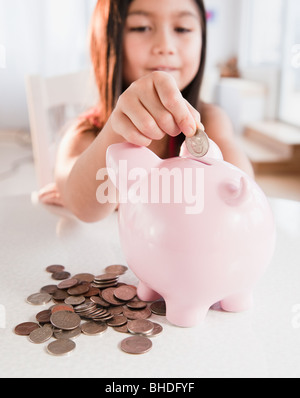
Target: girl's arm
x=219 y=128
x=79 y=158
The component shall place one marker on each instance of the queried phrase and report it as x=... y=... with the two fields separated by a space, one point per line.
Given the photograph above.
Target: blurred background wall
x=50 y=37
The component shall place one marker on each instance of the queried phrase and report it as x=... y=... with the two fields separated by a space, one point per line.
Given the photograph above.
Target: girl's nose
x=163 y=43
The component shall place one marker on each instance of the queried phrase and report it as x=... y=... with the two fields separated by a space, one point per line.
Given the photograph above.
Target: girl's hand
x=49 y=195
x=152 y=107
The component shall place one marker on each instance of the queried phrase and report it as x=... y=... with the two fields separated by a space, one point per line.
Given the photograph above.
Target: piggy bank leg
x=238 y=303
x=145 y=293
x=185 y=316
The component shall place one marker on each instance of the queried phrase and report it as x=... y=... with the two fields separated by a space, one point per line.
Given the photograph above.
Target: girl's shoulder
x=212 y=111
x=216 y=122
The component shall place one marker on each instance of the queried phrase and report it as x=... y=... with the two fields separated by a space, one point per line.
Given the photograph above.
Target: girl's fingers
x=173 y=101
x=142 y=119
x=50 y=188
x=51 y=199
x=151 y=108
x=196 y=115
x=123 y=126
x=163 y=118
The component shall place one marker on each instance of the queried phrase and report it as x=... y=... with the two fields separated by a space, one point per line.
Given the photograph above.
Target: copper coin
x=43 y=316
x=108 y=295
x=125 y=293
x=106 y=278
x=41 y=335
x=139 y=314
x=60 y=276
x=60 y=295
x=84 y=277
x=61 y=347
x=140 y=326
x=55 y=268
x=39 y=299
x=117 y=320
x=65 y=320
x=93 y=291
x=121 y=329
x=136 y=345
x=136 y=305
x=158 y=308
x=50 y=289
x=116 y=269
x=104 y=285
x=67 y=284
x=98 y=300
x=24 y=329
x=79 y=290
x=116 y=310
x=93 y=328
x=62 y=307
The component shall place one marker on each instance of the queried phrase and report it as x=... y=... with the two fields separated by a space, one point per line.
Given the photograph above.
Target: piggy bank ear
x=126 y=161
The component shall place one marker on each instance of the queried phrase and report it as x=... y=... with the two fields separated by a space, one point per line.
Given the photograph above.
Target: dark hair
x=106 y=47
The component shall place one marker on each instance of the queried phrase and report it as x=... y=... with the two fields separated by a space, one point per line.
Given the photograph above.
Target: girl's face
x=162 y=35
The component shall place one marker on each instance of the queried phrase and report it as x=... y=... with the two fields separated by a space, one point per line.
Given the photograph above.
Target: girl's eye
x=182 y=30
x=140 y=29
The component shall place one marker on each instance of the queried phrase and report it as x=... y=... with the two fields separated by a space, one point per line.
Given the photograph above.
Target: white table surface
x=264 y=342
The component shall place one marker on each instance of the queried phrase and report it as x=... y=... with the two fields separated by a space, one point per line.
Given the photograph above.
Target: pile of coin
x=98 y=301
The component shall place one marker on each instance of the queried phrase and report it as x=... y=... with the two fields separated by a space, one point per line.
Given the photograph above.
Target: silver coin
x=85 y=308
x=39 y=299
x=65 y=320
x=67 y=334
x=41 y=335
x=140 y=326
x=157 y=330
x=198 y=145
x=61 y=347
x=75 y=300
x=93 y=329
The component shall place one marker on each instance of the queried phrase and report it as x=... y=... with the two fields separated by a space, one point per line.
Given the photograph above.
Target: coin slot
x=202 y=161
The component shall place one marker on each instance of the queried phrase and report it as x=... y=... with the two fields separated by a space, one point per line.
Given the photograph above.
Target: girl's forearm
x=80 y=191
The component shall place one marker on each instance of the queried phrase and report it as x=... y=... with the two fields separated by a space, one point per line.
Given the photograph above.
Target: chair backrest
x=53 y=102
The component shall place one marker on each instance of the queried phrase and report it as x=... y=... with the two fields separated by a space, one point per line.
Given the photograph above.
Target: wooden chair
x=53 y=102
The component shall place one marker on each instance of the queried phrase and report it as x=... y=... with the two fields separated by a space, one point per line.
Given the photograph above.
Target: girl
x=149 y=59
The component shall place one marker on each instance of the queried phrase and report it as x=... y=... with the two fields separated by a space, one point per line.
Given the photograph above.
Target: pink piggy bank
x=194 y=231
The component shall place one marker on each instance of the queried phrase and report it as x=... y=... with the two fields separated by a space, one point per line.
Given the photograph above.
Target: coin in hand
x=198 y=145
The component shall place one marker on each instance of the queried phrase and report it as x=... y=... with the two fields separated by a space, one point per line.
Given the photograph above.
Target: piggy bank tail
x=235 y=193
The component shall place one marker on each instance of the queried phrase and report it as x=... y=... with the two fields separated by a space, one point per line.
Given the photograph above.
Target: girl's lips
x=164 y=69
